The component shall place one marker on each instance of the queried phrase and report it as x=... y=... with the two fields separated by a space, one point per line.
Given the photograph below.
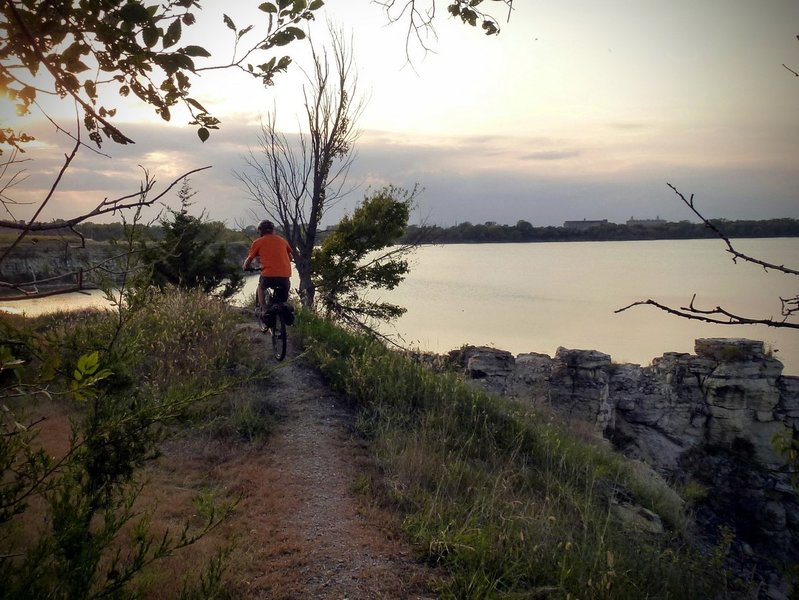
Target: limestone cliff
x=705 y=421
x=50 y=262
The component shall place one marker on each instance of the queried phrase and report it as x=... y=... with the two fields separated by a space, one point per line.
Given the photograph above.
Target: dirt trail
x=317 y=540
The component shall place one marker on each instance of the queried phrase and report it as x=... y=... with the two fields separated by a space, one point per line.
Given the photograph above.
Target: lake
x=537 y=297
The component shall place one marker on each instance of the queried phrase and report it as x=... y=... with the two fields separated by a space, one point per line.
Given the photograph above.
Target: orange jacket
x=274 y=254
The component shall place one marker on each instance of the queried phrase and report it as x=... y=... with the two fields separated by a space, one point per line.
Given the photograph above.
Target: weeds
x=71 y=524
x=508 y=502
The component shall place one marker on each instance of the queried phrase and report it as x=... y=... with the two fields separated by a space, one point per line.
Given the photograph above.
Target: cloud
x=551 y=155
x=545 y=180
x=630 y=126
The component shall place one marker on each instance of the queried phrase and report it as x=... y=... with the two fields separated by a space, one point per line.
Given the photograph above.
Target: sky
x=578 y=109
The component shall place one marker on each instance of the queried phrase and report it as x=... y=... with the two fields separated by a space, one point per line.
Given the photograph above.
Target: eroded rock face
x=708 y=417
x=579 y=386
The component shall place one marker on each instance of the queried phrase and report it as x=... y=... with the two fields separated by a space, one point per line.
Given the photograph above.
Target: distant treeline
x=103 y=232
x=107 y=232
x=524 y=231
x=490 y=232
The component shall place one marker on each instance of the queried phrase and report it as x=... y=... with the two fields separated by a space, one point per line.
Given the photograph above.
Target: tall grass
x=72 y=524
x=507 y=502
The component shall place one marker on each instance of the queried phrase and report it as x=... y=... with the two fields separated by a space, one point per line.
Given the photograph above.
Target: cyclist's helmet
x=266 y=227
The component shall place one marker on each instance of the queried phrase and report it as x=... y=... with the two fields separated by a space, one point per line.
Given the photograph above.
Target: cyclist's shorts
x=281 y=286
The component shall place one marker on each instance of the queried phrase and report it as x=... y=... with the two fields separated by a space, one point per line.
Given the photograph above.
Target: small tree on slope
x=361 y=256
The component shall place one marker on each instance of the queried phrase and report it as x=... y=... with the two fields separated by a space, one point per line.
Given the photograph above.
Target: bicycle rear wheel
x=279 y=337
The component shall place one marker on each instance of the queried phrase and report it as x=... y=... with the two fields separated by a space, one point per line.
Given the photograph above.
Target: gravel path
x=318 y=539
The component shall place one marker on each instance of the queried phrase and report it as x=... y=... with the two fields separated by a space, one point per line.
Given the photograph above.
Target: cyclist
x=274 y=254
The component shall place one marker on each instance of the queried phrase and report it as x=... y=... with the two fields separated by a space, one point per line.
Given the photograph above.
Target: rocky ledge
x=706 y=421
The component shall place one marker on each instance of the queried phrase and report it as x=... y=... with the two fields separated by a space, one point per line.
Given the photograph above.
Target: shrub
x=69 y=525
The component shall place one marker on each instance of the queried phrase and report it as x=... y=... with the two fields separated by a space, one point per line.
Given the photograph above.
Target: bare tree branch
x=9 y=181
x=689 y=202
x=135 y=200
x=419 y=16
x=25 y=229
x=719 y=315
x=716 y=315
x=295 y=181
x=106 y=206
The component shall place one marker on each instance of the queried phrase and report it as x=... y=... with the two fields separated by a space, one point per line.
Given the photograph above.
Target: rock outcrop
x=55 y=263
x=707 y=419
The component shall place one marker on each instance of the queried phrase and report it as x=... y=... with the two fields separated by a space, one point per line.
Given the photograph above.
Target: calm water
x=536 y=297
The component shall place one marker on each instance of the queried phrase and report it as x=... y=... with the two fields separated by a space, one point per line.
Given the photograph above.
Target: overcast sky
x=578 y=109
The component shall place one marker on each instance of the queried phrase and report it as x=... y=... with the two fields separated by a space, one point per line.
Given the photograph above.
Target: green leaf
x=75 y=50
x=195 y=51
x=196 y=104
x=76 y=66
x=91 y=88
x=490 y=28
x=151 y=34
x=229 y=22
x=135 y=13
x=243 y=31
x=296 y=32
x=49 y=367
x=268 y=7
x=27 y=94
x=316 y=5
x=203 y=134
x=173 y=33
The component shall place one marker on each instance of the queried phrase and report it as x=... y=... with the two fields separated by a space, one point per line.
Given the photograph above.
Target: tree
x=296 y=183
x=131 y=45
x=76 y=50
x=360 y=257
x=190 y=254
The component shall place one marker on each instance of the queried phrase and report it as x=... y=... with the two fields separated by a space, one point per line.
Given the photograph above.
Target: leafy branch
x=133 y=45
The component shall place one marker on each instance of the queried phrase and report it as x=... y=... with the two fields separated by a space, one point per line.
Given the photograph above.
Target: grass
x=502 y=498
x=180 y=364
x=507 y=501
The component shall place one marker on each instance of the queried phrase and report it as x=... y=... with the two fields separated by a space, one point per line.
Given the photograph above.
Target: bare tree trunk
x=296 y=180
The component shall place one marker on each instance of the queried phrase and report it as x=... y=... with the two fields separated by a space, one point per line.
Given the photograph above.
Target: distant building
x=584 y=224
x=647 y=222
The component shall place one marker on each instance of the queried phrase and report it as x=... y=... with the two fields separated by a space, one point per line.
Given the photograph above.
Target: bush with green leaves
x=360 y=257
x=69 y=523
x=191 y=252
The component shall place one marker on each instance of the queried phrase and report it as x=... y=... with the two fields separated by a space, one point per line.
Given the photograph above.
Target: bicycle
x=271 y=318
